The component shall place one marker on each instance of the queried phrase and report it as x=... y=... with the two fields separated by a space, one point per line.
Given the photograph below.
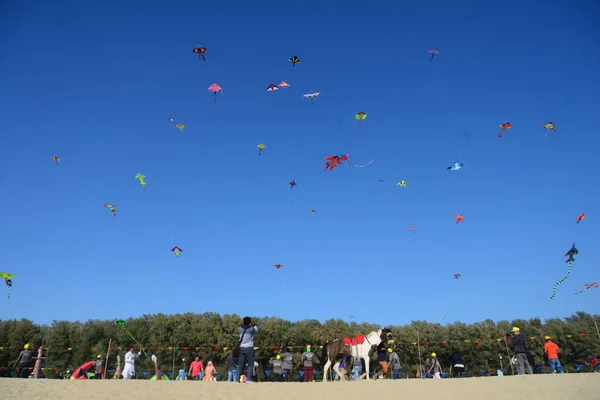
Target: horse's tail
x=324 y=355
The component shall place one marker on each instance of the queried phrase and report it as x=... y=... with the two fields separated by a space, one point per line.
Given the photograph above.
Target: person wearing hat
x=394 y=362
x=520 y=346
x=551 y=349
x=308 y=360
x=22 y=363
x=277 y=364
x=98 y=367
x=436 y=367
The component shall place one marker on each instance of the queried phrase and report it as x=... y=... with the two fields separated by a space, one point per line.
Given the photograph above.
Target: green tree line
x=175 y=337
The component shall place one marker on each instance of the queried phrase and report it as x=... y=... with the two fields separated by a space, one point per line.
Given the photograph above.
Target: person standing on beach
x=231 y=367
x=457 y=362
x=98 y=367
x=196 y=367
x=288 y=363
x=520 y=346
x=130 y=357
x=394 y=362
x=436 y=367
x=277 y=368
x=551 y=349
x=23 y=361
x=246 y=332
x=308 y=360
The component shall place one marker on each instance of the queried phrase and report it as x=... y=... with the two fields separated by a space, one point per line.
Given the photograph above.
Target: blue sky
x=96 y=84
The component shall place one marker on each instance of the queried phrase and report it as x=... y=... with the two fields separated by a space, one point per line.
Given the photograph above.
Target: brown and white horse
x=362 y=346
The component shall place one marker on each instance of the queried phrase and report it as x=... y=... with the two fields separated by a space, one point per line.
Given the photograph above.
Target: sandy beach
x=546 y=387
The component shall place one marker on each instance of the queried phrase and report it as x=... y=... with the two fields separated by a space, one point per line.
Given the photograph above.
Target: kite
x=215 y=89
x=260 y=148
x=455 y=166
x=181 y=127
x=433 y=52
x=360 y=116
x=504 y=127
x=200 y=51
x=56 y=160
x=456 y=276
x=312 y=96
x=272 y=87
x=312 y=212
x=549 y=126
x=112 y=209
x=579 y=218
x=401 y=184
x=459 y=218
x=570 y=260
x=283 y=84
x=571 y=253
x=177 y=251
x=8 y=280
x=334 y=161
x=412 y=229
x=294 y=60
x=588 y=286
x=380 y=180
x=278 y=265
x=292 y=184
x=141 y=179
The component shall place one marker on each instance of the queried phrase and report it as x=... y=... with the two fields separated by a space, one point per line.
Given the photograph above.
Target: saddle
x=360 y=339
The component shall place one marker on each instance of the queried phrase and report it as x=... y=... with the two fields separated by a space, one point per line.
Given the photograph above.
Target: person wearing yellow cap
x=436 y=367
x=394 y=362
x=98 y=367
x=23 y=361
x=551 y=349
x=521 y=351
x=277 y=364
x=308 y=359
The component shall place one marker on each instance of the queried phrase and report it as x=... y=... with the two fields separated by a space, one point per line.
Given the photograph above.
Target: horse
x=361 y=346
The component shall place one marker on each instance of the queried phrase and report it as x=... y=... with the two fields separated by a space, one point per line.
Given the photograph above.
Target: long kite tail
x=561 y=281
x=359 y=166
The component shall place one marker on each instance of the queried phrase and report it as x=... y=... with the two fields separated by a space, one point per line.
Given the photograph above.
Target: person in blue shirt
x=246 y=353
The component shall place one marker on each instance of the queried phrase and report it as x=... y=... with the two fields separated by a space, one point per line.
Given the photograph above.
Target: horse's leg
x=326 y=368
x=365 y=356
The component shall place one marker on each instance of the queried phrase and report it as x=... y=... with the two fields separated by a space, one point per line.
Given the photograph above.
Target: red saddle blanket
x=354 y=341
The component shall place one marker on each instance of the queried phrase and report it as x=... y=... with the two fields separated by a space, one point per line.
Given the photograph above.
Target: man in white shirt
x=130 y=357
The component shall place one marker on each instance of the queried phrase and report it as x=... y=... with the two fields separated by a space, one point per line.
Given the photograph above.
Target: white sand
x=543 y=387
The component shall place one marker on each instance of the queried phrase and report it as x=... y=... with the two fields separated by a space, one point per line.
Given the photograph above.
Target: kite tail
x=359 y=166
x=561 y=281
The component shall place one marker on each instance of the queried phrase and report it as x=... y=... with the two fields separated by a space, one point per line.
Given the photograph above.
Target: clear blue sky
x=95 y=85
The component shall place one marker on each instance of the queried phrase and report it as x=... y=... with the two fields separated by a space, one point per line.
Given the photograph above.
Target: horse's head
x=385 y=335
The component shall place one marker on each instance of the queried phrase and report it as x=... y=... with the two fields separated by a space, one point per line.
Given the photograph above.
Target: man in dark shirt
x=382 y=358
x=521 y=351
x=23 y=362
x=457 y=362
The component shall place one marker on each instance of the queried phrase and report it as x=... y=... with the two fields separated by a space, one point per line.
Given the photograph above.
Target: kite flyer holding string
x=130 y=357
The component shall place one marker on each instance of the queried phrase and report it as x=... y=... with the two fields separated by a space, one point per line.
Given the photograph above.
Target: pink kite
x=215 y=88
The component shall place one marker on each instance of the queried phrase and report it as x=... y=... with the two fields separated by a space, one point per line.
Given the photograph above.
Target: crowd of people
x=281 y=366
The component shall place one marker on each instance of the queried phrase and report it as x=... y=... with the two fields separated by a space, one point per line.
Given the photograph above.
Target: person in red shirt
x=551 y=349
x=196 y=367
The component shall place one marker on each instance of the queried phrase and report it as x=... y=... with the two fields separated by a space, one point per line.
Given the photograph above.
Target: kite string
x=136 y=341
x=561 y=281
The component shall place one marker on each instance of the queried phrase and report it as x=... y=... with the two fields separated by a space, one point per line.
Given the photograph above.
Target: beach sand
x=544 y=387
